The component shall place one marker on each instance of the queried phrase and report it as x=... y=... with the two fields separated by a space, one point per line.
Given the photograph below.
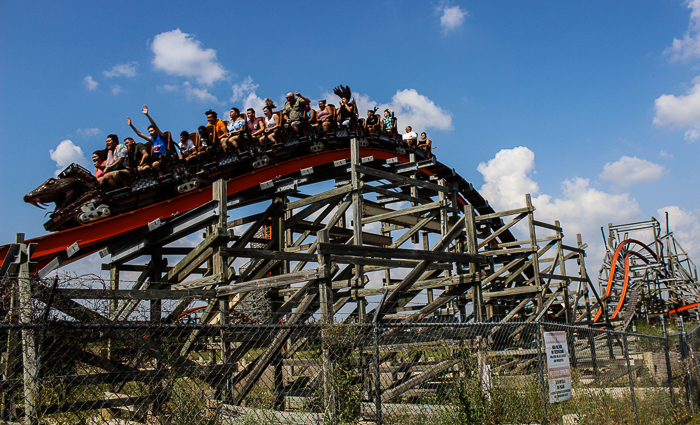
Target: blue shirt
x=160 y=146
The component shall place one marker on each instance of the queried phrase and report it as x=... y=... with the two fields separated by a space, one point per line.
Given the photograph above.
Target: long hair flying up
x=343 y=91
x=270 y=104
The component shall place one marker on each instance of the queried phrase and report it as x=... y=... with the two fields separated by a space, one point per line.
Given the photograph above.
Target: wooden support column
x=156 y=305
x=535 y=258
x=583 y=284
x=279 y=235
x=7 y=410
x=444 y=226
x=325 y=292
x=358 y=281
x=562 y=272
x=426 y=247
x=113 y=285
x=414 y=193
x=220 y=266
x=477 y=296
x=29 y=354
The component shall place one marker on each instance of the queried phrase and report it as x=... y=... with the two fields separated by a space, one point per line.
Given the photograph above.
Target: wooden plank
x=574 y=249
x=142 y=267
x=321 y=196
x=382 y=263
x=418 y=380
x=560 y=277
x=393 y=253
x=419 y=285
x=401 y=179
x=405 y=220
x=340 y=232
x=393 y=194
x=271 y=282
x=525 y=242
x=512 y=291
x=199 y=283
x=524 y=250
x=400 y=213
x=266 y=254
x=133 y=294
x=503 y=214
x=547 y=226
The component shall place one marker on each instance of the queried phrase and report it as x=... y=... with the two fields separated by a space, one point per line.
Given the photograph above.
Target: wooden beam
x=394 y=253
x=134 y=294
x=271 y=282
x=399 y=178
x=410 y=220
x=266 y=254
x=342 y=190
x=400 y=213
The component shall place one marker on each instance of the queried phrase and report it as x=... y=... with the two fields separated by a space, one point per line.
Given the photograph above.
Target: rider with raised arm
x=158 y=139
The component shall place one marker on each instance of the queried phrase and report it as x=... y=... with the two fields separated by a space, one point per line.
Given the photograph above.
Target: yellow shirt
x=220 y=128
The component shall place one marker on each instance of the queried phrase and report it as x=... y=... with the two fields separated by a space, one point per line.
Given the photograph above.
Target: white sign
x=557 y=366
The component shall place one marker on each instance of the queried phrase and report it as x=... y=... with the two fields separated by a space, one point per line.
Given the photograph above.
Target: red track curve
x=95 y=236
x=611 y=274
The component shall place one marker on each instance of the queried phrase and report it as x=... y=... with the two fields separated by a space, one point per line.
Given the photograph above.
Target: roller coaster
x=355 y=228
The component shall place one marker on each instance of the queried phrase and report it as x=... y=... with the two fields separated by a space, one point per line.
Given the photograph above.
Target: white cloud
x=177 y=53
x=116 y=89
x=122 y=70
x=168 y=88
x=89 y=83
x=452 y=17
x=245 y=93
x=627 y=171
x=689 y=45
x=410 y=107
x=665 y=154
x=201 y=95
x=680 y=111
x=67 y=153
x=580 y=208
x=88 y=132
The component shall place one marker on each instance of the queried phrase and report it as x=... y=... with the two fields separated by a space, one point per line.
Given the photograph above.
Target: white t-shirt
x=411 y=135
x=187 y=148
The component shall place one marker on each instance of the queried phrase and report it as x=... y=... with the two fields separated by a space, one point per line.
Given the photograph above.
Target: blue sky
x=592 y=107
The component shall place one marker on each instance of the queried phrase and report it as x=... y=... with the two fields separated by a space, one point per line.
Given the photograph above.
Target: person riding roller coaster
x=293 y=112
x=160 y=152
x=347 y=113
x=272 y=126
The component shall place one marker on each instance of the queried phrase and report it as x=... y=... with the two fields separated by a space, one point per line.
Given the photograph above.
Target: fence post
x=669 y=373
x=591 y=342
x=629 y=373
x=685 y=354
x=540 y=367
x=29 y=359
x=377 y=376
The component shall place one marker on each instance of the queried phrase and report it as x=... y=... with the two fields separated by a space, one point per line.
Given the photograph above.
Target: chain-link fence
x=422 y=373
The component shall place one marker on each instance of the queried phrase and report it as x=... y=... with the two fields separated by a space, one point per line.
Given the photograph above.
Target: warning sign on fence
x=557 y=366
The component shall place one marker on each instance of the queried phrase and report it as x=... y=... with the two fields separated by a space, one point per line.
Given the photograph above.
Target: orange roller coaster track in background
x=611 y=276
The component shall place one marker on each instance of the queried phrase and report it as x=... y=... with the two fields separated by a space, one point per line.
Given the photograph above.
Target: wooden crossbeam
x=398 y=253
x=271 y=282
